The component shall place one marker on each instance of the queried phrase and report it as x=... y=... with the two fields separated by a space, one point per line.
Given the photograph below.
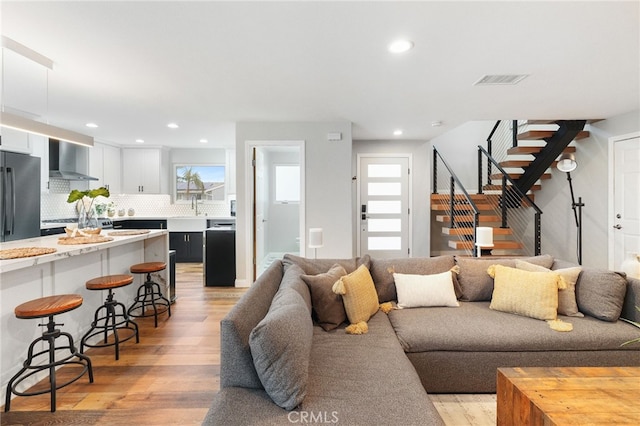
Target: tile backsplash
x=55 y=206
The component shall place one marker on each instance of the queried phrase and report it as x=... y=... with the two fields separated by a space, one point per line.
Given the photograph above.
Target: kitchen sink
x=186 y=224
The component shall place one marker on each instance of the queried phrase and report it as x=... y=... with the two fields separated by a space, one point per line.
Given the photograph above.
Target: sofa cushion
x=600 y=293
x=473 y=327
x=280 y=346
x=292 y=278
x=236 y=362
x=358 y=295
x=476 y=284
x=382 y=272
x=567 y=304
x=531 y=294
x=327 y=306
x=416 y=291
x=319 y=266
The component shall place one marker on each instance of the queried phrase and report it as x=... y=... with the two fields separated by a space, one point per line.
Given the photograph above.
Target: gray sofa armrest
x=631 y=300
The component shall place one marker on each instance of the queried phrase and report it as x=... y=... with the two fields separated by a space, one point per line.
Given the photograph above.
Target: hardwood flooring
x=172 y=375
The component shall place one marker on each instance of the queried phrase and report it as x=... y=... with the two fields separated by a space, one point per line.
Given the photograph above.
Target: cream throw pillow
x=567 y=304
x=416 y=291
x=358 y=294
x=531 y=294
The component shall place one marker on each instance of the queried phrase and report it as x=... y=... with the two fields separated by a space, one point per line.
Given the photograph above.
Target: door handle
x=618 y=226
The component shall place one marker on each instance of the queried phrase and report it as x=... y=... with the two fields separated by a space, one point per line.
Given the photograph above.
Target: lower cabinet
x=140 y=224
x=188 y=246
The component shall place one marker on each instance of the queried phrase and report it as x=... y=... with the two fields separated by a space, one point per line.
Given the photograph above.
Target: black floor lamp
x=567 y=163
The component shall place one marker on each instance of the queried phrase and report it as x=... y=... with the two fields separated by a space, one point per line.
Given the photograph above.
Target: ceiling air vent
x=507 y=79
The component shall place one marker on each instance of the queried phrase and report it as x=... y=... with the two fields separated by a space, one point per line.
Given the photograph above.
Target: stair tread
x=543 y=134
x=460 y=207
x=535 y=187
x=461 y=245
x=469 y=231
x=535 y=149
x=521 y=163
x=468 y=218
x=515 y=176
x=554 y=121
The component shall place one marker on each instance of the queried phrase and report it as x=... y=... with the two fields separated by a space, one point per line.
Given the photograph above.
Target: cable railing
x=462 y=214
x=518 y=213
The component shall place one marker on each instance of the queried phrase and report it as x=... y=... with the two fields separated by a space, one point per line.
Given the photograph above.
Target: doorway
x=624 y=202
x=277 y=200
x=384 y=205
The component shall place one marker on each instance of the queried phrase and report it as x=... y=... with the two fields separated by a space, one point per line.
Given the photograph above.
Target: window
x=205 y=182
x=287 y=183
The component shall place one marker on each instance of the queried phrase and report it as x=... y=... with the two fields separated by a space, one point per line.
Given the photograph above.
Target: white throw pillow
x=415 y=291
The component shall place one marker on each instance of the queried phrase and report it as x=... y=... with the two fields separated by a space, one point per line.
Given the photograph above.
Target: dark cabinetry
x=140 y=224
x=188 y=246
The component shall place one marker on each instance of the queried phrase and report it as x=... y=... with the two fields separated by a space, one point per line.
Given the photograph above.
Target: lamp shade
x=315 y=237
x=567 y=163
x=484 y=236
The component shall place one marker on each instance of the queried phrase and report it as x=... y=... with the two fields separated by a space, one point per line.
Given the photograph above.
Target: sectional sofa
x=286 y=356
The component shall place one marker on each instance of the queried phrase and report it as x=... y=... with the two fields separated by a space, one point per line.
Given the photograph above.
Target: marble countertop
x=64 y=251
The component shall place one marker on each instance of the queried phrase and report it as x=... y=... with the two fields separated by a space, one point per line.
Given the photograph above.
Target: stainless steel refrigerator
x=19 y=196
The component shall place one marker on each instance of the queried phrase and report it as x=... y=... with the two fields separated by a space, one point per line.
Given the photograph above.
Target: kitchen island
x=66 y=271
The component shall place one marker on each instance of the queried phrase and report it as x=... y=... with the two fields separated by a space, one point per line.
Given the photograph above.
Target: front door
x=384 y=206
x=626 y=198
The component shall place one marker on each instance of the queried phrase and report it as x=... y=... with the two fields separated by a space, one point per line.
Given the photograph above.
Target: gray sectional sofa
x=274 y=353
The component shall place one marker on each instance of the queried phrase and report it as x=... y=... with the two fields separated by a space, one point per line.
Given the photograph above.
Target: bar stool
x=41 y=308
x=149 y=293
x=106 y=318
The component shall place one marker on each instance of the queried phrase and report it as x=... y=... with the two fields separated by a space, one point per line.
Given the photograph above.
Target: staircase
x=517 y=161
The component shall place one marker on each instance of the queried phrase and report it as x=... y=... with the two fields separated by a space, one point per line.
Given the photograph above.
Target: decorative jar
x=631 y=265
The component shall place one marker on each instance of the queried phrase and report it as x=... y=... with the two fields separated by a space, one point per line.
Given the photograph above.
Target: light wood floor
x=172 y=375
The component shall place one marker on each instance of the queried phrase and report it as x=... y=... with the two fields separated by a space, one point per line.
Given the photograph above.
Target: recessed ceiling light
x=139 y=140
x=92 y=125
x=172 y=126
x=397 y=132
x=203 y=141
x=400 y=46
x=436 y=123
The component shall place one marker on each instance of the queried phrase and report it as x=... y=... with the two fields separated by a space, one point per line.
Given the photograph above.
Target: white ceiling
x=132 y=67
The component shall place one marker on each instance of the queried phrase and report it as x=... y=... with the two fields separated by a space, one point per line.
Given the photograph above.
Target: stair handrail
x=453 y=179
x=514 y=187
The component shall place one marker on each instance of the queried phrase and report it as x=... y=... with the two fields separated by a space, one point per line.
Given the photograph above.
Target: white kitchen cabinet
x=15 y=141
x=40 y=148
x=141 y=171
x=104 y=164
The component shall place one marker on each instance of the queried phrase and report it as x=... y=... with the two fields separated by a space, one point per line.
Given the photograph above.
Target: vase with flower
x=87 y=218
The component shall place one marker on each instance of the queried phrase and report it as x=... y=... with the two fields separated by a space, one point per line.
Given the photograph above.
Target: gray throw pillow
x=382 y=271
x=281 y=345
x=600 y=293
x=476 y=283
x=327 y=306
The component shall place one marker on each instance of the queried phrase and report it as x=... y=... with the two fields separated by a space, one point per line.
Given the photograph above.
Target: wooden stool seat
x=109 y=281
x=47 y=306
x=147 y=267
x=44 y=355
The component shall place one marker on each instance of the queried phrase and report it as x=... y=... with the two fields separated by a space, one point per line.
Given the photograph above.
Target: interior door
x=626 y=195
x=260 y=188
x=384 y=210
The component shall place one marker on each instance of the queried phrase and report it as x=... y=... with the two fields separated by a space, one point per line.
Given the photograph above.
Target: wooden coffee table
x=568 y=395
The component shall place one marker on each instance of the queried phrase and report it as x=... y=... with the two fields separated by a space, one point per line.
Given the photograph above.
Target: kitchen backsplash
x=55 y=206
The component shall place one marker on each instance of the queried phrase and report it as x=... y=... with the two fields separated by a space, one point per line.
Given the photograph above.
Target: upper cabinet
x=104 y=164
x=15 y=141
x=144 y=171
x=40 y=148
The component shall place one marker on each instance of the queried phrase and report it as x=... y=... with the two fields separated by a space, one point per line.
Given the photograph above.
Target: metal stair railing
x=515 y=208
x=458 y=196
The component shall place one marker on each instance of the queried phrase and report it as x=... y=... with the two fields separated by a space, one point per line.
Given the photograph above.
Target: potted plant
x=86 y=217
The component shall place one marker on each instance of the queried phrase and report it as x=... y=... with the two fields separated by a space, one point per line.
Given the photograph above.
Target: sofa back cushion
x=476 y=283
x=236 y=362
x=600 y=293
x=320 y=266
x=382 y=271
x=292 y=278
x=281 y=345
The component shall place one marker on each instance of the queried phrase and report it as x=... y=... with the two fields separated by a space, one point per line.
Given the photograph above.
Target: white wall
x=327 y=189
x=420 y=181
x=590 y=181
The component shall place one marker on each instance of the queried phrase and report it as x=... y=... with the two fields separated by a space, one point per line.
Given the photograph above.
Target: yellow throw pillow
x=358 y=294
x=530 y=294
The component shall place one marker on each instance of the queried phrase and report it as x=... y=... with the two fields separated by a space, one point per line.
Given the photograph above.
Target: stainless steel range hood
x=63 y=161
